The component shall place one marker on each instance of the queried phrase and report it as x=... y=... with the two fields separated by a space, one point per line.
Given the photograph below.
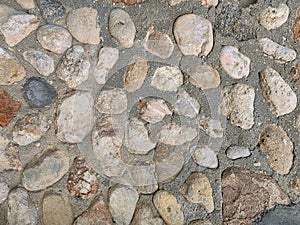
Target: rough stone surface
x=45 y=169
x=211 y=127
x=281 y=98
x=122 y=28
x=296 y=27
x=246 y=194
x=52 y=10
x=236 y=152
x=295 y=72
x=4 y=189
x=186 y=105
x=205 y=156
x=273 y=18
x=197 y=189
x=237 y=105
x=278 y=147
x=295 y=185
x=75 y=117
x=82 y=24
x=194 y=35
x=9 y=156
x=201 y=222
x=130 y=2
x=54 y=38
x=144 y=216
x=8 y=108
x=74 y=68
x=297 y=123
x=168 y=207
x=26 y=4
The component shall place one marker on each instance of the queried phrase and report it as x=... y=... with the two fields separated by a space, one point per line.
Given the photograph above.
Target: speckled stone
x=296 y=26
x=9 y=156
x=273 y=18
x=8 y=108
x=52 y=10
x=211 y=127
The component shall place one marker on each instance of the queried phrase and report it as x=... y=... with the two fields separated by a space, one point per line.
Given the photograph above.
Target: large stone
x=26 y=4
x=8 y=108
x=273 y=18
x=205 y=156
x=186 y=105
x=9 y=156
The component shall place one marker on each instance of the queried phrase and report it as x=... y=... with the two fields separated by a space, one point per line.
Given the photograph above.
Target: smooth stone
x=275 y=143
x=144 y=215
x=211 y=127
x=281 y=98
x=273 y=18
x=38 y=92
x=186 y=105
x=122 y=28
x=45 y=169
x=296 y=26
x=205 y=156
x=54 y=38
x=82 y=24
x=52 y=11
x=236 y=152
x=40 y=61
x=167 y=78
x=238 y=105
x=4 y=190
x=234 y=63
x=26 y=4
x=8 y=108
x=9 y=156
x=193 y=34
x=75 y=119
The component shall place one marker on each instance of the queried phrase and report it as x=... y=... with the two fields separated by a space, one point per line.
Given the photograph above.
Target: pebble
x=42 y=62
x=211 y=127
x=26 y=4
x=82 y=24
x=168 y=207
x=167 y=164
x=201 y=222
x=193 y=34
x=9 y=156
x=74 y=67
x=97 y=213
x=234 y=63
x=205 y=156
x=45 y=169
x=281 y=98
x=296 y=27
x=107 y=58
x=158 y=44
x=153 y=110
x=56 y=209
x=113 y=101
x=144 y=216
x=15 y=26
x=276 y=51
x=52 y=10
x=167 y=78
x=11 y=71
x=295 y=185
x=122 y=28
x=275 y=143
x=54 y=38
x=8 y=107
x=82 y=181
x=21 y=210
x=204 y=76
x=197 y=189
x=238 y=105
x=38 y=92
x=272 y=18
x=75 y=118
x=122 y=204
x=255 y=194
x=4 y=189
x=186 y=105
x=135 y=74
x=209 y=3
x=237 y=152
x=30 y=128
x=130 y=2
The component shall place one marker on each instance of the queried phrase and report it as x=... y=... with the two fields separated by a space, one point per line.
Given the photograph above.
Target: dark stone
x=38 y=92
x=52 y=10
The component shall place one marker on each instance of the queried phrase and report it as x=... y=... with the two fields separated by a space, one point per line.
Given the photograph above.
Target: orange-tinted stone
x=8 y=107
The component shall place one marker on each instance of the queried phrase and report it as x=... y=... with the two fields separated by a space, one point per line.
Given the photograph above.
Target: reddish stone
x=129 y=2
x=296 y=27
x=295 y=72
x=8 y=107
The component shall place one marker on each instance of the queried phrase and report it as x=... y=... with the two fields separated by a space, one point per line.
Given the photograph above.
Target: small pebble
x=211 y=127
x=52 y=10
x=237 y=152
x=205 y=156
x=210 y=3
x=186 y=105
x=273 y=18
x=4 y=190
x=26 y=4
x=9 y=156
x=8 y=108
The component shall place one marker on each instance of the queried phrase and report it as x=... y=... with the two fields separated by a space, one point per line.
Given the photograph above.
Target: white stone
x=211 y=127
x=186 y=105
x=236 y=152
x=205 y=156
x=273 y=18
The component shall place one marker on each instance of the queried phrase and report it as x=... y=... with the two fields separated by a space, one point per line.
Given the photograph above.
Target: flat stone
x=197 y=189
x=56 y=209
x=272 y=18
x=11 y=71
x=175 y=134
x=52 y=10
x=295 y=185
x=30 y=128
x=246 y=194
x=38 y=92
x=135 y=74
x=158 y=44
x=144 y=216
x=75 y=117
x=296 y=27
x=4 y=189
x=281 y=98
x=167 y=78
x=204 y=76
x=97 y=213
x=211 y=127
x=193 y=34
x=9 y=156
x=8 y=108
x=276 y=51
x=26 y=4
x=21 y=210
x=82 y=181
x=237 y=152
x=205 y=156
x=40 y=61
x=186 y=105
x=122 y=28
x=234 y=63
x=278 y=147
x=82 y=24
x=201 y=222
x=74 y=67
x=168 y=207
x=122 y=204
x=238 y=105
x=106 y=60
x=54 y=38
x=113 y=101
x=45 y=169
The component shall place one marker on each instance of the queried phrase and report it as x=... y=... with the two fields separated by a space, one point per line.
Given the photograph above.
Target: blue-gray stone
x=52 y=10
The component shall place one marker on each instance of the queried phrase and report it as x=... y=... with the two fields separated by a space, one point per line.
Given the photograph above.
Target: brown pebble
x=8 y=107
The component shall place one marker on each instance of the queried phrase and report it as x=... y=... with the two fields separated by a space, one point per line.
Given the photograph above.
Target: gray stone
x=273 y=18
x=4 y=189
x=236 y=152
x=52 y=10
x=186 y=105
x=297 y=123
x=201 y=222
x=9 y=156
x=205 y=156
x=211 y=127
